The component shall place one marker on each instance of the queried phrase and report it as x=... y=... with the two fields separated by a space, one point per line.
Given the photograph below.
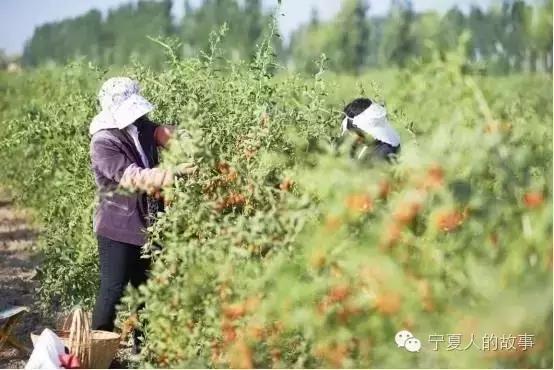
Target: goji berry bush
x=282 y=251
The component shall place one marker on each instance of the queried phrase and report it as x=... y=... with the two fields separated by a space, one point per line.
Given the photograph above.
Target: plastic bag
x=50 y=353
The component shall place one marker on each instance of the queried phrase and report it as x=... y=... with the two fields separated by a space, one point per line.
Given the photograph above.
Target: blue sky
x=20 y=17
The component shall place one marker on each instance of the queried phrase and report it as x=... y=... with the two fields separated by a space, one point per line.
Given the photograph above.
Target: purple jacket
x=121 y=216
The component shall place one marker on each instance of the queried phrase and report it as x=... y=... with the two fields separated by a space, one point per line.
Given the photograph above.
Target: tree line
x=511 y=36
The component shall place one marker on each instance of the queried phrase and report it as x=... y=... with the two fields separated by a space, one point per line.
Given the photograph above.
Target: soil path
x=18 y=261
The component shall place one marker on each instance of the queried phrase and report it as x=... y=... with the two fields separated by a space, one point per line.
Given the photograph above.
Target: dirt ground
x=18 y=261
x=17 y=284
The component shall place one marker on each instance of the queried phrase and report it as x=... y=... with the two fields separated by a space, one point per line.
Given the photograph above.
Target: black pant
x=120 y=264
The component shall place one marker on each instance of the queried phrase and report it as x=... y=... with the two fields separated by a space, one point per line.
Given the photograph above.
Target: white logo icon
x=401 y=337
x=412 y=345
x=406 y=339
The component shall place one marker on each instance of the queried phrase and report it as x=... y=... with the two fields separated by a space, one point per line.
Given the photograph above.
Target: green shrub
x=282 y=252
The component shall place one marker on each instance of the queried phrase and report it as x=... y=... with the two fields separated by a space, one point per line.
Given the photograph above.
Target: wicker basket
x=95 y=348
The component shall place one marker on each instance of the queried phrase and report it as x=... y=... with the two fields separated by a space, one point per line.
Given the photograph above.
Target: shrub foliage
x=283 y=252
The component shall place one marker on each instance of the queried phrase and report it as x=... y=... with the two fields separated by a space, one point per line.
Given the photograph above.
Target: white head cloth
x=121 y=103
x=373 y=121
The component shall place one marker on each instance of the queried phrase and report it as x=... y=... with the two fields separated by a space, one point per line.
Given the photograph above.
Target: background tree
x=3 y=59
x=452 y=24
x=314 y=17
x=245 y=26
x=426 y=34
x=353 y=41
x=542 y=34
x=509 y=36
x=309 y=42
x=516 y=33
x=80 y=35
x=398 y=44
x=126 y=30
x=255 y=22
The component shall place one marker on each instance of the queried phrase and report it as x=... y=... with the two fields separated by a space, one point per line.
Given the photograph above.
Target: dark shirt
x=377 y=150
x=385 y=151
x=146 y=131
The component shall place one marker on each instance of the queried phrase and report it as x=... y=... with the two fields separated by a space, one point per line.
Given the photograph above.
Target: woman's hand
x=185 y=169
x=163 y=134
x=152 y=180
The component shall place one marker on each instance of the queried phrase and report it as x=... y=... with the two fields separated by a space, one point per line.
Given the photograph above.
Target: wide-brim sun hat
x=374 y=122
x=130 y=110
x=121 y=104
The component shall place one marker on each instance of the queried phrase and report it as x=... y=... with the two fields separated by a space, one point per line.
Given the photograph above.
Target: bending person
x=375 y=137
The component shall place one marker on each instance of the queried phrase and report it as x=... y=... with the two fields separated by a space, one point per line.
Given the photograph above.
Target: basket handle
x=80 y=335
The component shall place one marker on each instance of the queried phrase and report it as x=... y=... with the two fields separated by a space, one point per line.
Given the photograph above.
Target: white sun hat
x=373 y=121
x=121 y=103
